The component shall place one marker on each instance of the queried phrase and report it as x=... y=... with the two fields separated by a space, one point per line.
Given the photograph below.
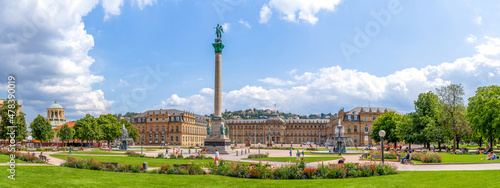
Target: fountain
x=124 y=139
x=340 y=141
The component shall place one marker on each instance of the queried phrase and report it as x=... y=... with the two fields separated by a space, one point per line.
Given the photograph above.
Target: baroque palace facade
x=173 y=127
x=357 y=126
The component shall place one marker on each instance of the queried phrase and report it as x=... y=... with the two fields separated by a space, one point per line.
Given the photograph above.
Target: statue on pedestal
x=208 y=129
x=227 y=130
x=222 y=129
x=219 y=31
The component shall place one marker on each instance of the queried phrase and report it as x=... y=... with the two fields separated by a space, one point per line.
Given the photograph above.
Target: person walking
x=290 y=151
x=166 y=153
x=216 y=157
x=302 y=152
x=298 y=156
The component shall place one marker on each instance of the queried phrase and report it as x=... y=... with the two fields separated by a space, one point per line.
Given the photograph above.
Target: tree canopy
x=41 y=129
x=66 y=133
x=110 y=130
x=483 y=112
x=387 y=122
x=87 y=128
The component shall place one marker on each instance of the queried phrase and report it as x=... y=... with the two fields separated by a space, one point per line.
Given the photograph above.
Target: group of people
x=175 y=151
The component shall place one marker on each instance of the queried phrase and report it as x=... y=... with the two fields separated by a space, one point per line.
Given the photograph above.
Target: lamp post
x=142 y=140
x=381 y=133
x=259 y=147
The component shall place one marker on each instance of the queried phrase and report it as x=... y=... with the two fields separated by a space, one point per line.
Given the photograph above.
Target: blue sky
x=116 y=56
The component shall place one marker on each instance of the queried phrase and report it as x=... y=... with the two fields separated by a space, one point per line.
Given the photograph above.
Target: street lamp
x=381 y=133
x=259 y=147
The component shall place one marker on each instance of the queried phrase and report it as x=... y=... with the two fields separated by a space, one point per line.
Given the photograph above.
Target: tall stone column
x=217 y=94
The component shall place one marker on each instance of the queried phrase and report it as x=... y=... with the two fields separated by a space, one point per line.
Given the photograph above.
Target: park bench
x=363 y=156
x=409 y=162
x=44 y=159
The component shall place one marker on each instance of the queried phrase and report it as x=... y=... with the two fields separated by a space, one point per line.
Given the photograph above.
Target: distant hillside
x=264 y=114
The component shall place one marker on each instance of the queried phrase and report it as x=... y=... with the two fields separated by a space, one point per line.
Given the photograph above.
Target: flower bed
x=22 y=156
x=91 y=164
x=426 y=157
x=188 y=169
x=44 y=149
x=256 y=156
x=134 y=154
x=299 y=171
x=199 y=156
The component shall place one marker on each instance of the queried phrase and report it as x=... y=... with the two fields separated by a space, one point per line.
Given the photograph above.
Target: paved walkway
x=286 y=153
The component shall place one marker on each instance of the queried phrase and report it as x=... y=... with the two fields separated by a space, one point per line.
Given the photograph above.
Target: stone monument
x=217 y=135
x=124 y=139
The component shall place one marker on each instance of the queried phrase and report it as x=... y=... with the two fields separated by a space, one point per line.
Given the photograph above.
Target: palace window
x=143 y=129
x=356 y=140
x=150 y=119
x=157 y=128
x=150 y=138
x=176 y=130
x=150 y=128
x=374 y=118
x=163 y=138
x=171 y=138
x=366 y=128
x=163 y=128
x=355 y=128
x=156 y=119
x=366 y=118
x=156 y=138
x=348 y=129
x=176 y=138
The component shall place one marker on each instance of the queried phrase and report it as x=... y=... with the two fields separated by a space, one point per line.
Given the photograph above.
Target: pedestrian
x=302 y=152
x=298 y=156
x=290 y=151
x=166 y=153
x=216 y=157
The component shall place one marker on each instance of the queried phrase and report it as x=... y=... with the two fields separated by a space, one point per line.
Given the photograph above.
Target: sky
x=306 y=57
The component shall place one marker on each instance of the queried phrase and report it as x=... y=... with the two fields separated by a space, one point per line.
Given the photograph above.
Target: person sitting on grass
x=406 y=157
x=491 y=156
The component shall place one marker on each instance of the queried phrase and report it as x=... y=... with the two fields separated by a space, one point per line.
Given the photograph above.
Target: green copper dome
x=55 y=105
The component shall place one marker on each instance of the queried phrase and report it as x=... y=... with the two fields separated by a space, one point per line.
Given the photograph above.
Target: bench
x=363 y=156
x=44 y=159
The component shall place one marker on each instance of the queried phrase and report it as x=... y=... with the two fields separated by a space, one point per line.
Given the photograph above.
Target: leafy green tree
x=483 y=112
x=426 y=116
x=133 y=132
x=110 y=130
x=41 y=129
x=19 y=121
x=405 y=129
x=387 y=122
x=87 y=129
x=452 y=117
x=66 y=133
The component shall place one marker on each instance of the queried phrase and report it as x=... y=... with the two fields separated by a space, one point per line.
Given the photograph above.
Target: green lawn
x=6 y=158
x=329 y=154
x=451 y=158
x=54 y=176
x=293 y=159
x=92 y=153
x=152 y=162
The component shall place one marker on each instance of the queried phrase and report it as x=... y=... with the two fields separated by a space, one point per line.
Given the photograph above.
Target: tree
x=19 y=121
x=110 y=130
x=66 y=133
x=453 y=111
x=483 y=112
x=87 y=129
x=41 y=129
x=387 y=122
x=405 y=129
x=426 y=116
x=133 y=132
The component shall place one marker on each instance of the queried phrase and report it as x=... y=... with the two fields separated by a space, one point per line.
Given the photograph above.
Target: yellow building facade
x=172 y=127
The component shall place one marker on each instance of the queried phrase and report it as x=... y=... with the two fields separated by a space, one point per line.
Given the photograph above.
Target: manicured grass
x=152 y=162
x=54 y=176
x=293 y=159
x=6 y=158
x=92 y=153
x=330 y=154
x=153 y=148
x=451 y=158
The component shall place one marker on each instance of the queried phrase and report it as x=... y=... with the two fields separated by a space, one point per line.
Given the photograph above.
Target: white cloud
x=123 y=83
x=306 y=9
x=293 y=71
x=226 y=27
x=265 y=14
x=245 y=23
x=276 y=81
x=329 y=89
x=479 y=20
x=471 y=38
x=111 y=8
x=51 y=58
x=143 y=3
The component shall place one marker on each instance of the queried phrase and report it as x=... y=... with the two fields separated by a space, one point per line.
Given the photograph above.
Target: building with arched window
x=173 y=127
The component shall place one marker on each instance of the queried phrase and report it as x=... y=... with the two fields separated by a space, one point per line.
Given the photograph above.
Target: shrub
x=256 y=156
x=22 y=156
x=426 y=157
x=134 y=154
